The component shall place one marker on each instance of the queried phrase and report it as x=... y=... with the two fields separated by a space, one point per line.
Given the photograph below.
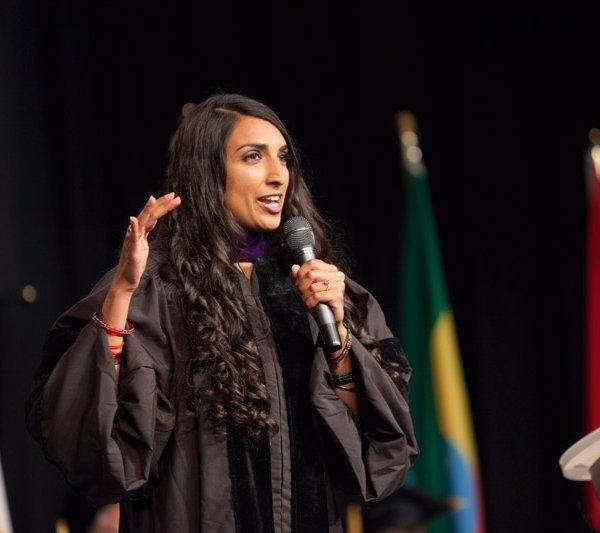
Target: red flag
x=593 y=317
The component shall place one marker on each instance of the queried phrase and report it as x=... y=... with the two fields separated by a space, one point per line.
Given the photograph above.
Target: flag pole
x=448 y=467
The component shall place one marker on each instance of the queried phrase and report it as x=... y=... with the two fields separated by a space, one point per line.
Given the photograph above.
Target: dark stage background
x=89 y=93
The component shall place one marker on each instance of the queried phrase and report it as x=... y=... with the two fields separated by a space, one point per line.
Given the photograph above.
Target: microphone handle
x=327 y=327
x=322 y=312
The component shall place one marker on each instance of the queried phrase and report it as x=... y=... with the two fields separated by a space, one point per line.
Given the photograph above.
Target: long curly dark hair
x=197 y=239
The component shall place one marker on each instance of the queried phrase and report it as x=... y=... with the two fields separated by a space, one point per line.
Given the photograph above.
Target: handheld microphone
x=300 y=240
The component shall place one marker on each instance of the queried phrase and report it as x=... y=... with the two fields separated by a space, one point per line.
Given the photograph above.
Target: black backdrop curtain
x=505 y=96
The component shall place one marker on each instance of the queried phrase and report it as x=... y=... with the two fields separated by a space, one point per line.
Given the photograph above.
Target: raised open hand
x=134 y=253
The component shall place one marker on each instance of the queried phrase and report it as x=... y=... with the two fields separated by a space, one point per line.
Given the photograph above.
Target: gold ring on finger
x=326 y=283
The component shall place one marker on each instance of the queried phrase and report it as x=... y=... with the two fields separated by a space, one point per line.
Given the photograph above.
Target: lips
x=272 y=203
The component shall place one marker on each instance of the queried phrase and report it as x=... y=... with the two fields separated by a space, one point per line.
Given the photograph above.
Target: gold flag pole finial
x=405 y=121
x=412 y=156
x=594 y=155
x=594 y=136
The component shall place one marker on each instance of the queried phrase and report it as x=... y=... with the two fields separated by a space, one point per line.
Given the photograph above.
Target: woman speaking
x=192 y=386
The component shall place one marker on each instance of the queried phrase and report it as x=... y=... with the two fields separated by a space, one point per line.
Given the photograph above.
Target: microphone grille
x=298 y=233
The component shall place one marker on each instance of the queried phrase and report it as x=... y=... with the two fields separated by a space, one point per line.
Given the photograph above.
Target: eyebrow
x=260 y=146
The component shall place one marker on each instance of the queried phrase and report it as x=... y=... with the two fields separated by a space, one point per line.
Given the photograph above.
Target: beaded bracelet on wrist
x=340 y=356
x=334 y=362
x=111 y=330
x=339 y=379
x=338 y=361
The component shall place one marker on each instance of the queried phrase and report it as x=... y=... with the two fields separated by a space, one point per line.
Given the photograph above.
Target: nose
x=276 y=172
x=276 y=179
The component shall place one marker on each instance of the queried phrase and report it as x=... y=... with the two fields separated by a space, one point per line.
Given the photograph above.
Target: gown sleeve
x=368 y=455
x=104 y=435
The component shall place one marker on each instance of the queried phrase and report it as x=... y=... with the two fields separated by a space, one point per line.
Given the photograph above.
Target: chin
x=270 y=225
x=267 y=229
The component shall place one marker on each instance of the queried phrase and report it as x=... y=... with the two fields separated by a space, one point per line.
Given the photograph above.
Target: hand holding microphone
x=321 y=284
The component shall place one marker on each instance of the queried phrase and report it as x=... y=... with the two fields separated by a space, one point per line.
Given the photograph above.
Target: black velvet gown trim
x=251 y=487
x=293 y=337
x=250 y=473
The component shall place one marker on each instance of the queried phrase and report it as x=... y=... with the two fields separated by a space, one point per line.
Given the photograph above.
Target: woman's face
x=257 y=176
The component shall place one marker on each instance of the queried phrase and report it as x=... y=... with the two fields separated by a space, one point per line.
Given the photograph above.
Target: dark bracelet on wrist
x=344 y=387
x=334 y=362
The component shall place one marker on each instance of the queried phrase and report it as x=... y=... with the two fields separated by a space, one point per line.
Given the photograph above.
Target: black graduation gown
x=144 y=440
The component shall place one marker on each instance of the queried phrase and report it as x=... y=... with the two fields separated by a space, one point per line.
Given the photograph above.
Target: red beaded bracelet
x=117 y=332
